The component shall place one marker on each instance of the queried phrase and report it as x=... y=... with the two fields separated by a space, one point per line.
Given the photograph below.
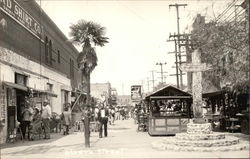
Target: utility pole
x=153 y=79
x=176 y=64
x=159 y=63
x=122 y=88
x=148 y=83
x=142 y=88
x=178 y=32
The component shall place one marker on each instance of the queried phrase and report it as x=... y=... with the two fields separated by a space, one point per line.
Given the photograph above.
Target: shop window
x=50 y=52
x=21 y=79
x=66 y=95
x=46 y=43
x=72 y=69
x=58 y=56
x=49 y=87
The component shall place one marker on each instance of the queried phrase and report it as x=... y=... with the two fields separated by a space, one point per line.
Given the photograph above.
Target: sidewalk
x=56 y=147
x=122 y=142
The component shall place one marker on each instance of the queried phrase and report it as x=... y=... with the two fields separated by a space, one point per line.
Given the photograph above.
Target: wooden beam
x=171 y=97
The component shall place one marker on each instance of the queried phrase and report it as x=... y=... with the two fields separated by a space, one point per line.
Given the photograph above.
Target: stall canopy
x=210 y=90
x=169 y=92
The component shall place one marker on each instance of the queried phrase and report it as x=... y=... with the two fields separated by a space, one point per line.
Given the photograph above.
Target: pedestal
x=200 y=137
x=193 y=128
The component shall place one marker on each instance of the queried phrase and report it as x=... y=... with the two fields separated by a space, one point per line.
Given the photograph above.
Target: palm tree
x=86 y=34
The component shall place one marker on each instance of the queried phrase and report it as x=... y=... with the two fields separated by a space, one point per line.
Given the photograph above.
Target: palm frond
x=85 y=32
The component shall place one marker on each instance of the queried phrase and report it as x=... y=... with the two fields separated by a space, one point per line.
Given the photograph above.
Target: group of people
x=122 y=113
x=36 y=121
x=32 y=119
x=105 y=115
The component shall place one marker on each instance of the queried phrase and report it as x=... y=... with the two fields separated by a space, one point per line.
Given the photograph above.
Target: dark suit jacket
x=106 y=113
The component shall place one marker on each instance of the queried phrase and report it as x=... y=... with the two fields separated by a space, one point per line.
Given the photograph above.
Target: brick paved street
x=122 y=142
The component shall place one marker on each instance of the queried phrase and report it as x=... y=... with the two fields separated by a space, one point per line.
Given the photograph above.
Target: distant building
x=101 y=91
x=34 y=55
x=124 y=100
x=114 y=97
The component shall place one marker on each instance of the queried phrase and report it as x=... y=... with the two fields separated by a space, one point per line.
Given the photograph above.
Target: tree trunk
x=87 y=120
x=88 y=89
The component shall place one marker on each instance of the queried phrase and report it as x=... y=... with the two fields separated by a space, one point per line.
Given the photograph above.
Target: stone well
x=200 y=137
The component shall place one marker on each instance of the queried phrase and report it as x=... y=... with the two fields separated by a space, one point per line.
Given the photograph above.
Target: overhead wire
x=226 y=10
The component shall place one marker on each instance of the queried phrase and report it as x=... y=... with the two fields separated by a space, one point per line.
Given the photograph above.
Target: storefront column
x=3 y=114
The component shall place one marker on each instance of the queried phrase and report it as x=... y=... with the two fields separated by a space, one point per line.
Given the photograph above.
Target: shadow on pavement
x=18 y=143
x=42 y=149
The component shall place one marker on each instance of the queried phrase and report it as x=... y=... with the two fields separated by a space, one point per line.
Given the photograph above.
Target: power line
x=178 y=37
x=226 y=10
x=237 y=14
x=160 y=63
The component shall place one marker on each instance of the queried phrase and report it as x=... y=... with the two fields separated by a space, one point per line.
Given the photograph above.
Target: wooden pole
x=86 y=114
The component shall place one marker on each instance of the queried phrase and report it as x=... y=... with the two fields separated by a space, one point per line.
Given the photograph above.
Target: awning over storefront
x=66 y=88
x=76 y=92
x=17 y=86
x=45 y=92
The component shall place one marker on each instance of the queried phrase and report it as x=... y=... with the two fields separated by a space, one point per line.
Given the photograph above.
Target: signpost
x=196 y=67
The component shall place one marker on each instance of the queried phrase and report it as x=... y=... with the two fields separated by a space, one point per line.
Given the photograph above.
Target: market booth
x=170 y=111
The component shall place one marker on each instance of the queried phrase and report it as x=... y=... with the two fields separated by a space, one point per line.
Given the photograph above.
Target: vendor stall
x=170 y=111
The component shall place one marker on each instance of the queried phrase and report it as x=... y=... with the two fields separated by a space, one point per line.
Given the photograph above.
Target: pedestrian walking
x=46 y=116
x=26 y=119
x=103 y=119
x=122 y=113
x=117 y=113
x=66 y=120
x=96 y=113
x=112 y=116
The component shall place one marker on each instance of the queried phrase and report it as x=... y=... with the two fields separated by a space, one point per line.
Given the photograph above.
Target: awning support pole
x=76 y=101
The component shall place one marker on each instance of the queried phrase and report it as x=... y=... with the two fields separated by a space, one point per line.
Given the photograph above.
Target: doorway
x=20 y=103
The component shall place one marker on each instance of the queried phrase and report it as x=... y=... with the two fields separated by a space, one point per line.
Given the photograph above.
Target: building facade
x=36 y=58
x=114 y=95
x=124 y=100
x=101 y=91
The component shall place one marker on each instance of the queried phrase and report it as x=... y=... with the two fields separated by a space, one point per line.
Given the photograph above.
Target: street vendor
x=36 y=127
x=155 y=108
x=46 y=117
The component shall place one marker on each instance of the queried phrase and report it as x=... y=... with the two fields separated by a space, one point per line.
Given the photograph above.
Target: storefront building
x=35 y=58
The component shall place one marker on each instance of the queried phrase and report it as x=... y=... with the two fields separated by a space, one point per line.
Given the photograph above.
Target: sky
x=138 y=31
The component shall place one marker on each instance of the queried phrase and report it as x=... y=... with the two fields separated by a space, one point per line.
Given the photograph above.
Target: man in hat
x=103 y=119
x=46 y=116
x=26 y=119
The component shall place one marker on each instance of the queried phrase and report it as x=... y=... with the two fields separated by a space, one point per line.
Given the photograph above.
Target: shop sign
x=189 y=67
x=2 y=103
x=16 y=12
x=136 y=93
